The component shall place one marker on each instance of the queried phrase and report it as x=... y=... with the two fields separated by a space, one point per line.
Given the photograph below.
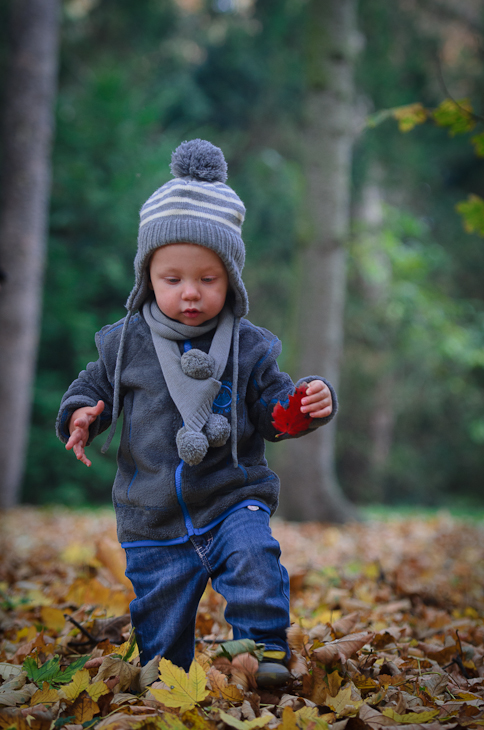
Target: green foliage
x=478 y=142
x=51 y=671
x=472 y=211
x=404 y=330
x=458 y=117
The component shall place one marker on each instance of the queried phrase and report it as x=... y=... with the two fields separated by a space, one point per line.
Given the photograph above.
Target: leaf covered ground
x=387 y=630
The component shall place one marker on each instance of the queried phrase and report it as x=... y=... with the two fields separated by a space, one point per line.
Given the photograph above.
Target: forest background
x=136 y=79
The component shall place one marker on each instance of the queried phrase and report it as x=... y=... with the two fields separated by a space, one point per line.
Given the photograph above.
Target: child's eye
x=172 y=280
x=208 y=279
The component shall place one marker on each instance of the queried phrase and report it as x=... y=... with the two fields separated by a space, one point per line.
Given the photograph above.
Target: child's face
x=190 y=282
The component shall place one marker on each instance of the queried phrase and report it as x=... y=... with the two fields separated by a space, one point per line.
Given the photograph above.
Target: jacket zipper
x=178 y=478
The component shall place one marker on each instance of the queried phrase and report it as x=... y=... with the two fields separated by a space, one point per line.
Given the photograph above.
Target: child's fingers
x=77 y=438
x=317 y=401
x=316 y=397
x=322 y=412
x=80 y=454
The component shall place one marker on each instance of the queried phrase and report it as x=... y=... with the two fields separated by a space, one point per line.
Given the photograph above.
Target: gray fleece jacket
x=156 y=496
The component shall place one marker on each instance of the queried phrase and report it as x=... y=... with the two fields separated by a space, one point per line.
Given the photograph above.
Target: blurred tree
x=27 y=134
x=310 y=489
x=413 y=366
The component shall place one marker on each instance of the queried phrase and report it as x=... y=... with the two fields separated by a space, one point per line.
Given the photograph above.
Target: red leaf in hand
x=290 y=420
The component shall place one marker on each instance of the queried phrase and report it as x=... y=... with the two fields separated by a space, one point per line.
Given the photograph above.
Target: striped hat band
x=215 y=203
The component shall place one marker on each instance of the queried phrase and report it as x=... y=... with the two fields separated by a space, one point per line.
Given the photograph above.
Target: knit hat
x=196 y=207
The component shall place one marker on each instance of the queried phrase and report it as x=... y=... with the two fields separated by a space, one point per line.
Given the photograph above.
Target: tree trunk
x=310 y=489
x=27 y=135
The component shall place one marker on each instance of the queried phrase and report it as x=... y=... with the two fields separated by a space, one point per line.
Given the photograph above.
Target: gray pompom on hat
x=195 y=207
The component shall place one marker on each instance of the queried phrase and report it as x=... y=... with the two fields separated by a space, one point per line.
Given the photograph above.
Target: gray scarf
x=193 y=379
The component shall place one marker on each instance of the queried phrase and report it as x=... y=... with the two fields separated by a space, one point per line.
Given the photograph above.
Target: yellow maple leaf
x=44 y=696
x=52 y=618
x=97 y=690
x=410 y=717
x=342 y=704
x=186 y=690
x=308 y=717
x=80 y=682
x=28 y=633
x=289 y=719
x=334 y=683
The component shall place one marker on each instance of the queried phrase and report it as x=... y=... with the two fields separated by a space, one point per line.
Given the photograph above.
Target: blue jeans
x=242 y=559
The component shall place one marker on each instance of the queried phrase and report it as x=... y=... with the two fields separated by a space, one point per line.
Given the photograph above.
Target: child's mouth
x=191 y=313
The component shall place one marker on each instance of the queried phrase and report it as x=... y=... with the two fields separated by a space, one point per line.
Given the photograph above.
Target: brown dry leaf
x=41 y=644
x=296 y=638
x=365 y=684
x=244 y=668
x=298 y=666
x=345 y=625
x=343 y=648
x=373 y=718
x=319 y=688
x=124 y=672
x=111 y=554
x=429 y=588
x=16 y=692
x=84 y=709
x=221 y=688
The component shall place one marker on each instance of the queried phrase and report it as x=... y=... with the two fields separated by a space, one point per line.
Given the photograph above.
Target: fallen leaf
x=244 y=724
x=84 y=709
x=11 y=697
x=113 y=666
x=97 y=690
x=288 y=719
x=231 y=649
x=342 y=704
x=244 y=669
x=45 y=696
x=221 y=688
x=186 y=690
x=345 y=625
x=296 y=638
x=374 y=718
x=410 y=717
x=80 y=682
x=52 y=618
x=342 y=649
x=111 y=554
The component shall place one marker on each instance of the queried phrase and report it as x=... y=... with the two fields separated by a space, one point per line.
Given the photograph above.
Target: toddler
x=197 y=383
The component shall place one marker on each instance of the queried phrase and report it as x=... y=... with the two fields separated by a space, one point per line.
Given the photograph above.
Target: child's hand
x=79 y=424
x=317 y=401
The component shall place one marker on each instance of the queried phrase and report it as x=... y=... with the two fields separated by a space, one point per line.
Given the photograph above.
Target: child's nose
x=190 y=292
